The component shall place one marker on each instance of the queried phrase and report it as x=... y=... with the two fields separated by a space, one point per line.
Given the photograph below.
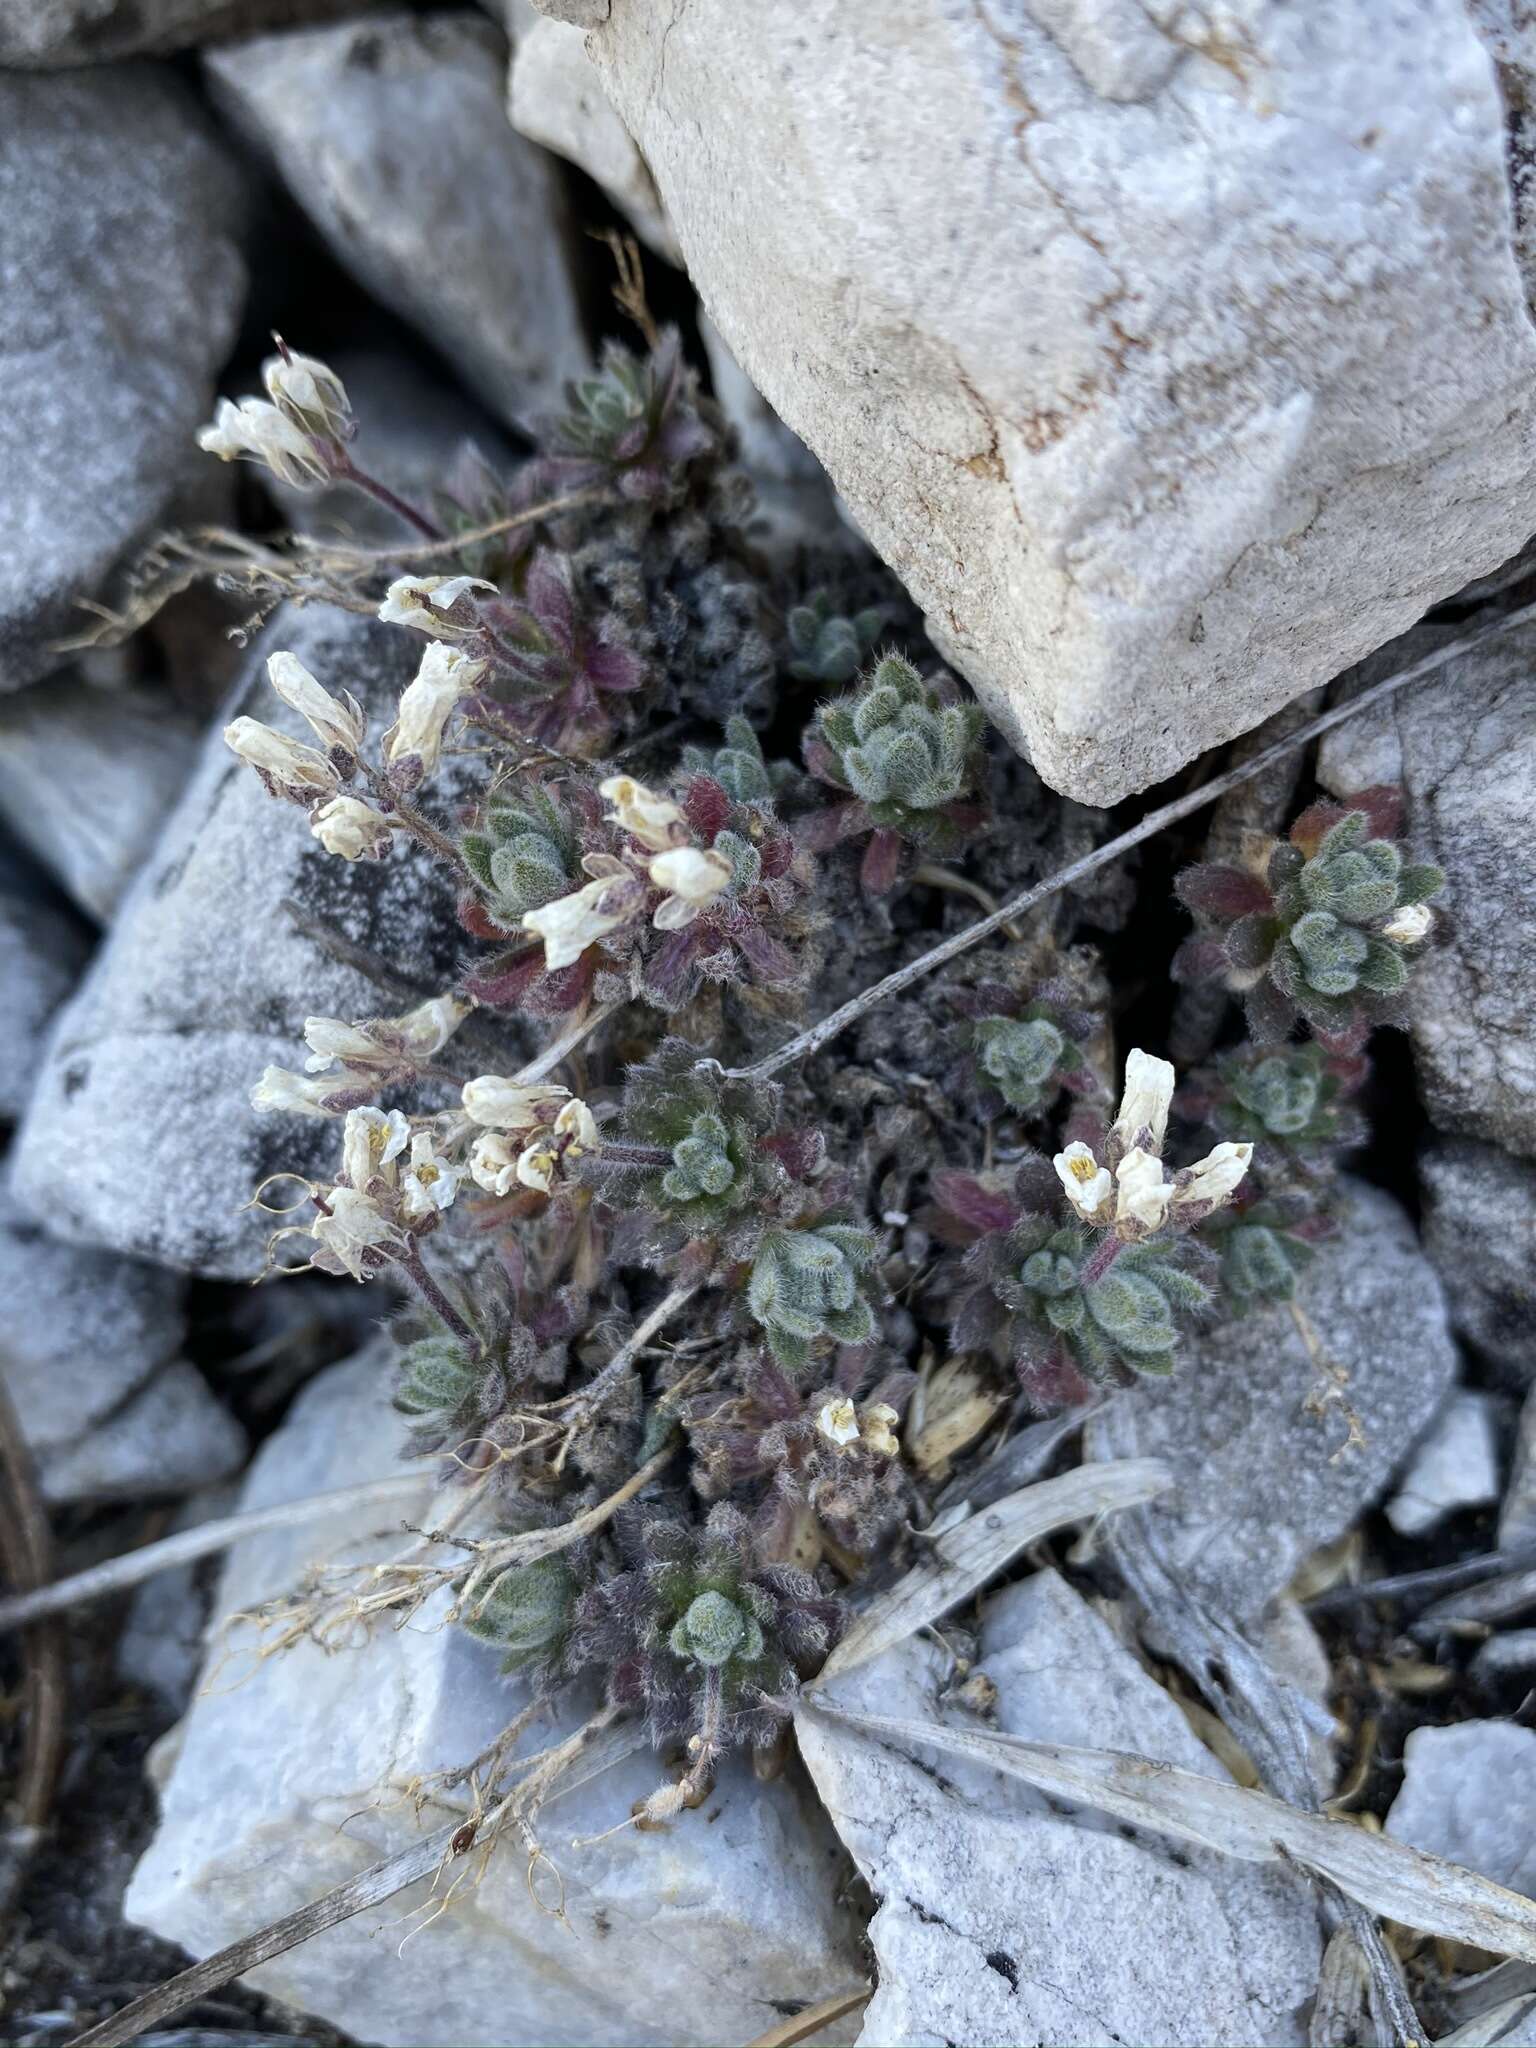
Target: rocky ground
x=1184 y=479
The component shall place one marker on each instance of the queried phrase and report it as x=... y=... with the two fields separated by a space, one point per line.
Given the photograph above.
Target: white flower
x=1088 y=1184
x=1144 y=1104
x=577 y=1125
x=1213 y=1180
x=654 y=820
x=879 y=1424
x=287 y=767
x=335 y=722
x=281 y=1089
x=426 y=704
x=493 y=1163
x=354 y=1227
x=351 y=829
x=371 y=1141
x=503 y=1105
x=692 y=879
x=1410 y=925
x=536 y=1164
x=420 y=601
x=308 y=393
x=838 y=1422
x=1142 y=1195
x=430 y=1181
x=258 y=430
x=572 y=923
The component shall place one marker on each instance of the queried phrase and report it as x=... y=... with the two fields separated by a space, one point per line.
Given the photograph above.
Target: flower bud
x=287 y=767
x=308 y=394
x=427 y=704
x=1143 y=1117
x=692 y=879
x=1212 y=1180
x=654 y=820
x=348 y=827
x=1408 y=926
x=1142 y=1195
x=307 y=1094
x=335 y=722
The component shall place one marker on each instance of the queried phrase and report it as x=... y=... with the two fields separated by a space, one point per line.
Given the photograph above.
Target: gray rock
x=291 y=1782
x=1508 y=1655
x=1094 y=323
x=87 y=778
x=1463 y=746
x=1517 y=1517
x=391 y=134
x=1004 y=1917
x=1480 y=1231
x=104 y=1402
x=1469 y=1793
x=43 y=948
x=120 y=292
x=1455 y=1466
x=1257 y=1429
x=161 y=1647
x=45 y=34
x=140 y=1135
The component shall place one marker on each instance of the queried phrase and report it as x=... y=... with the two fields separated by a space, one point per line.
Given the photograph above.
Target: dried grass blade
x=966 y=1556
x=1389 y=1877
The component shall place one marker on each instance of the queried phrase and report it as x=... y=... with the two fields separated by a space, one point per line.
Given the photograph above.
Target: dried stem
x=26 y=1549
x=805 y=1043
x=414 y=551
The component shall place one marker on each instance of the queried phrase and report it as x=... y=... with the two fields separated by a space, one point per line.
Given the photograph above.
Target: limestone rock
x=46 y=34
x=1256 y=1427
x=1480 y=1231
x=120 y=292
x=104 y=1402
x=140 y=1135
x=43 y=948
x=1469 y=1794
x=1004 y=1917
x=1114 y=335
x=391 y=135
x=87 y=778
x=1463 y=746
x=289 y=1783
x=1456 y=1466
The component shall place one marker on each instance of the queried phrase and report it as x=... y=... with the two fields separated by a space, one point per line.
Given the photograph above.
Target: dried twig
x=810 y=1041
x=1436 y=1580
x=117 y=1574
x=26 y=1549
x=812 y=2020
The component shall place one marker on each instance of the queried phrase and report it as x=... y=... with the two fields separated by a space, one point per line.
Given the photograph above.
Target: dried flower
x=503 y=1105
x=692 y=879
x=493 y=1162
x=286 y=766
x=351 y=829
x=1143 y=1115
x=1141 y=1194
x=572 y=923
x=352 y=1237
x=1212 y=1180
x=335 y=722
x=838 y=1422
x=572 y=1135
x=308 y=393
x=427 y=703
x=654 y=820
x=1409 y=925
x=424 y=602
x=878 y=1425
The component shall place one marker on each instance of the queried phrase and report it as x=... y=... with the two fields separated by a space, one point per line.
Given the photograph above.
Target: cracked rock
x=1256 y=1418
x=121 y=289
x=1463 y=746
x=105 y=1404
x=1115 y=337
x=1006 y=1917
x=391 y=134
x=140 y=1135
x=1480 y=1231
x=291 y=1782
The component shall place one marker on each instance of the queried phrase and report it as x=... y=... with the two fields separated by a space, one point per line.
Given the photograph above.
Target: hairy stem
x=416 y=1272
x=805 y=1043
x=347 y=471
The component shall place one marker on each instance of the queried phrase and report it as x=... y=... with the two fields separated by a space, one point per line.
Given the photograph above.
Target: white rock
x=1005 y=1917
x=49 y=33
x=1455 y=1466
x=1463 y=746
x=390 y=133
x=1113 y=333
x=120 y=292
x=43 y=948
x=289 y=1783
x=140 y=1134
x=105 y=1404
x=1480 y=1230
x=1256 y=1427
x=1469 y=1793
x=555 y=98
x=87 y=778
